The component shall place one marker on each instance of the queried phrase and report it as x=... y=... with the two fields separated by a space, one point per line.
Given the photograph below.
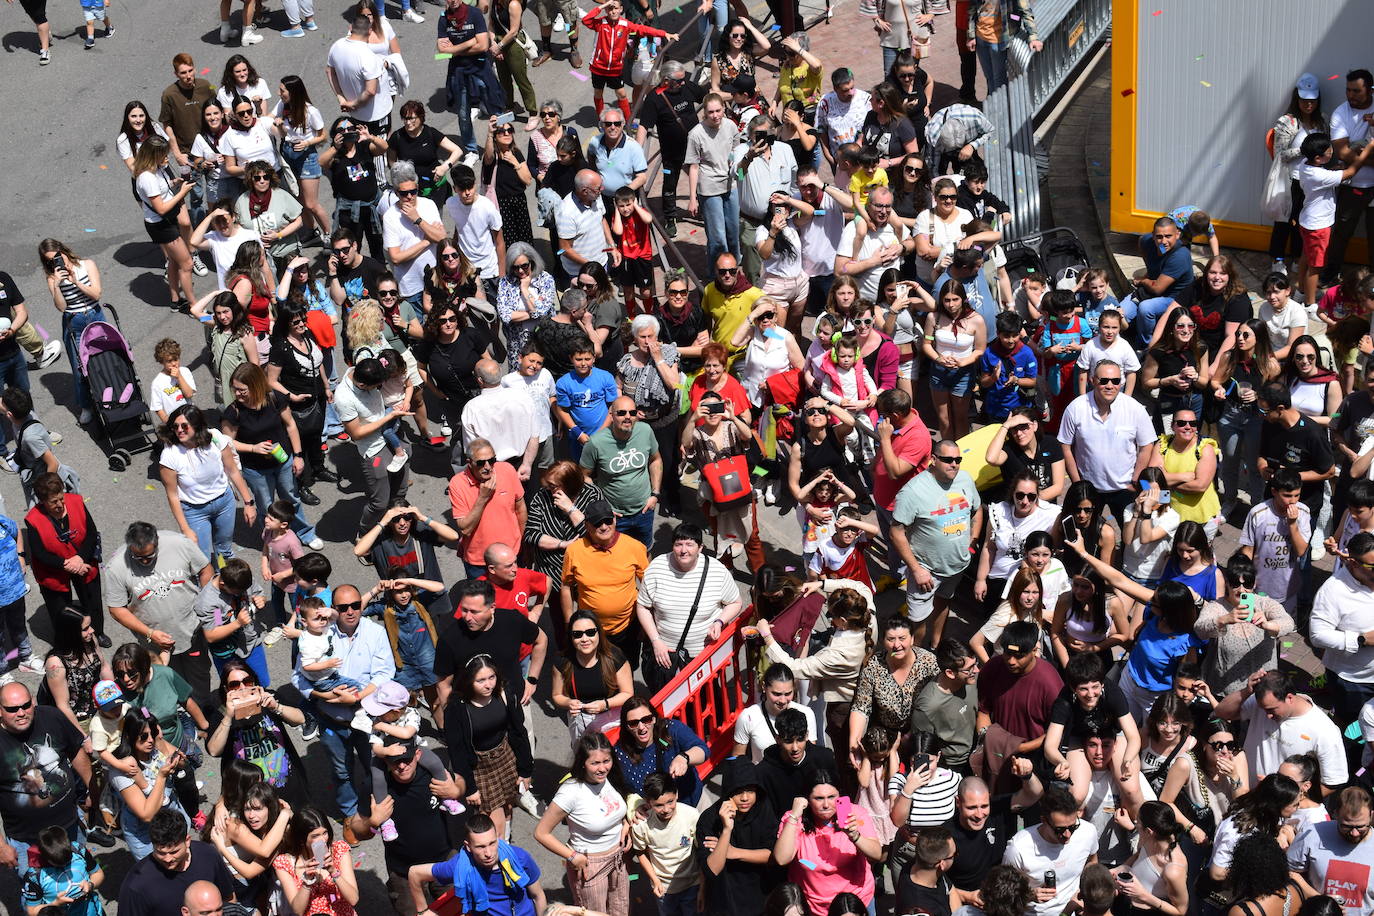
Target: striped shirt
x=933 y=803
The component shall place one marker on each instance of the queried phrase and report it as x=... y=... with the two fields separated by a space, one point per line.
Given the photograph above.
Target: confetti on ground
x=634 y=877
x=1126 y=92
x=443 y=56
x=104 y=167
x=1200 y=57
x=204 y=71
x=148 y=486
x=580 y=76
x=1205 y=83
x=87 y=230
x=1288 y=645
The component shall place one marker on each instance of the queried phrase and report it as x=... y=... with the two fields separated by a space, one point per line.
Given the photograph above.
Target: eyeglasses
x=1114 y=380
x=873 y=205
x=1186 y=423
x=388 y=294
x=1356 y=829
x=407 y=192
x=624 y=413
x=348 y=606
x=21 y=708
x=1026 y=497
x=582 y=634
x=1219 y=746
x=629 y=723
x=523 y=265
x=481 y=462
x=947 y=459
x=970 y=670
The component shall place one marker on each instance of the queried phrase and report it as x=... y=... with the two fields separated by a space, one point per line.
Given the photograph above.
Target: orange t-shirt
x=606 y=580
x=499 y=524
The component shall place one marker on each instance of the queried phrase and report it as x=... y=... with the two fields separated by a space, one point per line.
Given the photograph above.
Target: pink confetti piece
x=205 y=71
x=1126 y=92
x=377 y=462
x=1334 y=76
x=580 y=76
x=1360 y=771
x=1157 y=13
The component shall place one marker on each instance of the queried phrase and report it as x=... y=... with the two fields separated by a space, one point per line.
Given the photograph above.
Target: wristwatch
x=1360 y=641
x=531 y=679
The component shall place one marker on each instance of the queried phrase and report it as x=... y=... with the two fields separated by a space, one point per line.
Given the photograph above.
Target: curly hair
x=364 y=323
x=1258 y=867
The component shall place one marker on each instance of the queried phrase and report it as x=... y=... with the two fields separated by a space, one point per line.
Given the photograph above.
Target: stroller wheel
x=119 y=460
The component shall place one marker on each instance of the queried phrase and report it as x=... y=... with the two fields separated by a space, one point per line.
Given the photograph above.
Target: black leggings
x=37 y=10
x=1284 y=240
x=84 y=595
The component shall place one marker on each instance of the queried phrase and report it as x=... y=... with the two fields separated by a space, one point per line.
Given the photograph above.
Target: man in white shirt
x=756 y=728
x=502 y=416
x=477 y=228
x=1352 y=126
x=1283 y=722
x=411 y=231
x=820 y=233
x=1107 y=438
x=841 y=113
x=583 y=233
x=358 y=78
x=1336 y=857
x=685 y=600
x=881 y=248
x=1059 y=847
x=768 y=165
x=1343 y=626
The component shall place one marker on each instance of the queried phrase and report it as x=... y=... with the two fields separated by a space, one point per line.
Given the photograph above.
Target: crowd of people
x=1051 y=463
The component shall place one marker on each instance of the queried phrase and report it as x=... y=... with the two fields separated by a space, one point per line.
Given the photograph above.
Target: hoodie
x=741 y=887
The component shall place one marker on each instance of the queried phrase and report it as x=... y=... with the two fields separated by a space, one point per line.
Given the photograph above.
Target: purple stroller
x=116 y=392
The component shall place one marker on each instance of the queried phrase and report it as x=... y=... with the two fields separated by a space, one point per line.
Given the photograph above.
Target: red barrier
x=709 y=694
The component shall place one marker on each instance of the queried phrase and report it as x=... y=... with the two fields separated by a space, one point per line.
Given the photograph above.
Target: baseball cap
x=106 y=693
x=1308 y=87
x=598 y=511
x=390 y=695
x=743 y=83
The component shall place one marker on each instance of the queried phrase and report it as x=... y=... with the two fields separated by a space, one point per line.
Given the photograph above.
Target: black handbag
x=680 y=656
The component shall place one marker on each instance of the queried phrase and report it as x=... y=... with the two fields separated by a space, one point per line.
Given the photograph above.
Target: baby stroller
x=1047 y=254
x=107 y=364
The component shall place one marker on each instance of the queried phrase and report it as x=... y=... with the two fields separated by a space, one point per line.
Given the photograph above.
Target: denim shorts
x=958 y=382
x=305 y=164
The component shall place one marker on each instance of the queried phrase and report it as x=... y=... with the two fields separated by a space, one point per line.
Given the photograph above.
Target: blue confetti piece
x=87 y=230
x=1352 y=731
x=808 y=863
x=773 y=333
x=820 y=212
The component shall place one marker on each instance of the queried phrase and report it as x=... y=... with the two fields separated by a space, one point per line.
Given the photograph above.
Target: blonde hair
x=364 y=323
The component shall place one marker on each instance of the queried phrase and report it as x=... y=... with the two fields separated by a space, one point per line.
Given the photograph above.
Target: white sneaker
x=1278 y=267
x=33 y=665
x=7 y=463
x=1318 y=549
x=85 y=417
x=54 y=437
x=317 y=544
x=445 y=430
x=250 y=36
x=397 y=462
x=272 y=637
x=362 y=722
x=528 y=803
x=51 y=351
x=198 y=266
x=412 y=16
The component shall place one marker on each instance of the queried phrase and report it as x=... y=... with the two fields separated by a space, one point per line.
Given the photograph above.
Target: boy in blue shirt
x=1095 y=296
x=1008 y=370
x=582 y=398
x=487 y=874
x=1061 y=338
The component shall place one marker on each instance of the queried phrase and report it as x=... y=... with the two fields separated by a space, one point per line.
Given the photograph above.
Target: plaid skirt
x=496 y=777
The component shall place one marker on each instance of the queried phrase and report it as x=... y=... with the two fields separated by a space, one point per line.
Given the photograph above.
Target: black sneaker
x=310 y=730
x=109 y=31
x=100 y=837
x=104 y=641
x=327 y=475
x=670 y=228
x=309 y=498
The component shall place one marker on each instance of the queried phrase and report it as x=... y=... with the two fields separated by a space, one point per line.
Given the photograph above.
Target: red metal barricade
x=709 y=694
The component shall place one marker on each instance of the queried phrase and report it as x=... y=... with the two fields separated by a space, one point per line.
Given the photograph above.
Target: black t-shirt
x=301 y=373
x=917 y=898
x=150 y=891
x=1170 y=362
x=451 y=365
x=976 y=851
x=9 y=298
x=38 y=787
x=1354 y=418
x=473 y=24
x=889 y=139
x=423 y=150
x=1303 y=448
x=502 y=641
x=508 y=183
x=1079 y=722
x=421 y=835
x=560 y=177
x=1213 y=313
x=985 y=206
x=674 y=114
x=587 y=685
x=354 y=176
x=1047 y=455
x=683 y=331
x=261 y=425
x=740 y=888
x=360 y=282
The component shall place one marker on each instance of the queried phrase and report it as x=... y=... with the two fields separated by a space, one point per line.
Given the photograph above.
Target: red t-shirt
x=635 y=241
x=1020 y=704
x=912 y=444
x=529 y=588
x=733 y=392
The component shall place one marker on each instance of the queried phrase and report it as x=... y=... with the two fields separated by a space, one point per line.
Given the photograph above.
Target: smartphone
x=1070 y=529
x=1164 y=497
x=507 y=118
x=715 y=407
x=1247 y=604
x=843 y=808
x=921 y=761
x=320 y=850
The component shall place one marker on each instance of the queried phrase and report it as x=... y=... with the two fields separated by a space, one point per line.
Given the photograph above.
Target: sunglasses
x=481 y=462
x=243 y=114
x=912 y=169
x=240 y=682
x=863 y=322
x=1064 y=831
x=768 y=316
x=582 y=634
x=450 y=255
x=629 y=723
x=1218 y=746
x=413 y=192
x=906 y=76
x=611 y=123
x=945 y=459
x=1114 y=380
x=449 y=319
x=624 y=413
x=505 y=130
x=727 y=270
x=1304 y=357
x=947 y=198
x=677 y=292
x=1186 y=423
x=1026 y=497
x=388 y=294
x=815 y=411
x=342 y=251
x=524 y=265
x=348 y=606
x=548 y=114
x=269 y=178
x=21 y=708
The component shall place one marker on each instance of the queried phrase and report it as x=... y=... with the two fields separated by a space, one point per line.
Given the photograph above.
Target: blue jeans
x=76 y=832
x=720 y=14
x=213 y=523
x=1147 y=314
x=992 y=57
x=462 y=106
x=416 y=649
x=136 y=831
x=346 y=748
x=474 y=570
x=256 y=661
x=331 y=680
x=268 y=485
x=639 y=526
x=72 y=326
x=720 y=213
x=683 y=903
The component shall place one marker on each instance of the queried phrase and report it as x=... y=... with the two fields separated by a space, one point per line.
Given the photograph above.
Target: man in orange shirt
x=603 y=569
x=488 y=503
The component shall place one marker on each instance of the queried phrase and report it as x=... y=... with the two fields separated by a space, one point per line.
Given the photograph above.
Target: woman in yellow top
x=1189 y=463
x=799 y=78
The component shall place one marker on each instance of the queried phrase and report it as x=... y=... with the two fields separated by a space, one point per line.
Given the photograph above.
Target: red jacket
x=612 y=41
x=55 y=577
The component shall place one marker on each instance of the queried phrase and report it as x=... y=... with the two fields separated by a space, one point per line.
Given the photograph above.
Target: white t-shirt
x=1034 y=855
x=224 y=247
x=1319 y=200
x=780 y=264
x=873 y=241
x=351 y=403
x=200 y=471
x=1224 y=843
x=943 y=235
x=166 y=395
x=539 y=389
x=582 y=226
x=311 y=649
x=399 y=232
x=1146 y=561
x=1119 y=352
x=201 y=149
x=1365 y=449
x=125 y=149
x=354 y=64
x=151 y=185
x=257 y=92
x=251 y=145
x=1009 y=534
x=594 y=815
x=473 y=226
x=313 y=127
x=752 y=728
x=1268 y=743
x=1349 y=124
x=1279 y=323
